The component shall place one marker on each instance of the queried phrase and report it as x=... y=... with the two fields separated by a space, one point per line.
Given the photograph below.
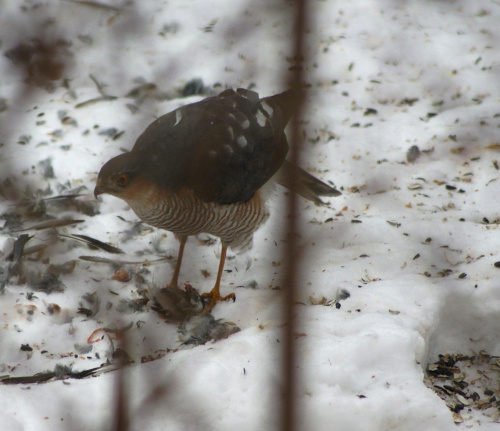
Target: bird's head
x=121 y=176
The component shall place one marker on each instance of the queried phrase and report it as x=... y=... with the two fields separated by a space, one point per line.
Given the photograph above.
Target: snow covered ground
x=413 y=238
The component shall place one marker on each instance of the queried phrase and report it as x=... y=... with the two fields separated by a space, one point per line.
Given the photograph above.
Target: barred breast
x=184 y=214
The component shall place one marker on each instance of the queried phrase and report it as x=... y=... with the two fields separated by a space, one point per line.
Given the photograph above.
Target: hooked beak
x=98 y=189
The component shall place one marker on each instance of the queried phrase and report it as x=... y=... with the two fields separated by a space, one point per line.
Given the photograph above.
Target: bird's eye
x=122 y=180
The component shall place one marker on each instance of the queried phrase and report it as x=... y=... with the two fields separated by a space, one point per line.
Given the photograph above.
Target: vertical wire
x=121 y=392
x=289 y=360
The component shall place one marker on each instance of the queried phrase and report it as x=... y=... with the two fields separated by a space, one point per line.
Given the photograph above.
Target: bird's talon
x=213 y=297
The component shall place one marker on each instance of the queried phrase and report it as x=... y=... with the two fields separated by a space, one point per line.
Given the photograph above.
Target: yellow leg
x=214 y=294
x=175 y=278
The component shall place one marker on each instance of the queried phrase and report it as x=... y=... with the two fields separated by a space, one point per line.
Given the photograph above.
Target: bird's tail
x=304 y=184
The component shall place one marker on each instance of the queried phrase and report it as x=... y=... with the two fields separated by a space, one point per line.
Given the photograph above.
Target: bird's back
x=224 y=148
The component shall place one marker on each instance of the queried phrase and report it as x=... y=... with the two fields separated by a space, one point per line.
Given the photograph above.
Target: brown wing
x=224 y=148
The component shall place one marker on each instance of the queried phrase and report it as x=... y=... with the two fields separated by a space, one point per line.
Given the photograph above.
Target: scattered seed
x=393 y=223
x=370 y=111
x=412 y=154
x=121 y=275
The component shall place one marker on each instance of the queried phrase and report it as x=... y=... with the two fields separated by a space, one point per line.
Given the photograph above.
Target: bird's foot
x=214 y=297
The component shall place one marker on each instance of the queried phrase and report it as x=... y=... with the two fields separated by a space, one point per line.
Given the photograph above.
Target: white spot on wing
x=242 y=141
x=267 y=108
x=261 y=118
x=245 y=124
x=178 y=117
x=248 y=94
x=231 y=132
x=228 y=149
